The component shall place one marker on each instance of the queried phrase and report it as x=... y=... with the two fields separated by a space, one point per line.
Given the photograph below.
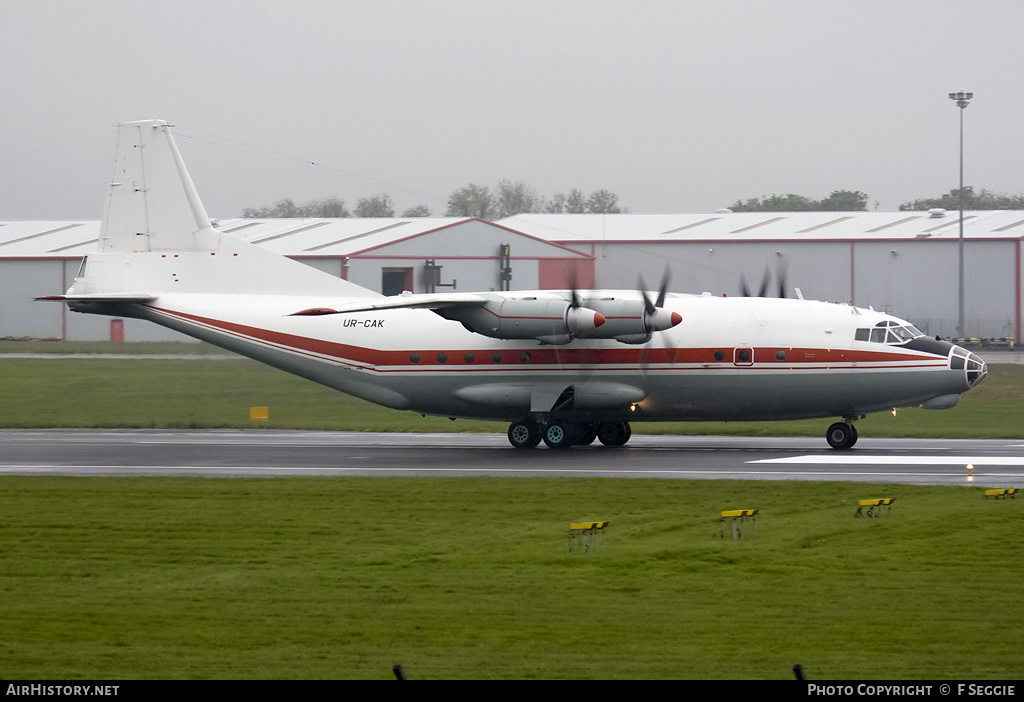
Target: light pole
x=961 y=99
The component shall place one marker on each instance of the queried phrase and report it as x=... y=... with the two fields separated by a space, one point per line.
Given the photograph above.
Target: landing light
x=632 y=407
x=893 y=411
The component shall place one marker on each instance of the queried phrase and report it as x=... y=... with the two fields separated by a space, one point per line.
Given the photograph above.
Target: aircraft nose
x=977 y=369
x=974 y=366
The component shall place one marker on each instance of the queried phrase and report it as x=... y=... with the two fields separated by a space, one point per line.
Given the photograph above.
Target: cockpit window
x=889 y=332
x=902 y=333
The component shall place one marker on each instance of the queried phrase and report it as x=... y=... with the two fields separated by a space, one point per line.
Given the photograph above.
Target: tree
x=417 y=211
x=838 y=201
x=578 y=203
x=775 y=203
x=514 y=198
x=575 y=203
x=845 y=201
x=286 y=208
x=556 y=204
x=472 y=201
x=375 y=206
x=603 y=202
x=324 y=207
x=281 y=208
x=983 y=200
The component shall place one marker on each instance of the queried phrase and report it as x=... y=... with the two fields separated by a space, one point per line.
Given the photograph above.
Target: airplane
x=564 y=367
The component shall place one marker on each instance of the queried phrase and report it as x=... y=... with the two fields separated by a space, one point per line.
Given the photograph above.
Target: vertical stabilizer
x=153 y=205
x=156 y=237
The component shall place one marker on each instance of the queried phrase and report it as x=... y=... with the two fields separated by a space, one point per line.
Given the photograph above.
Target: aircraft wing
x=546 y=317
x=396 y=302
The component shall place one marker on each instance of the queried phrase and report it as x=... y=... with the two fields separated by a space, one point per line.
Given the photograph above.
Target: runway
x=236 y=453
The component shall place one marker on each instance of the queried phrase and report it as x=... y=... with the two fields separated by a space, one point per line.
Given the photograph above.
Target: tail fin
x=153 y=204
x=157 y=238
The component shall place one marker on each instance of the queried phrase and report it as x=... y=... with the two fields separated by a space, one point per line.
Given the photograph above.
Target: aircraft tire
x=614 y=433
x=524 y=434
x=558 y=434
x=586 y=434
x=841 y=436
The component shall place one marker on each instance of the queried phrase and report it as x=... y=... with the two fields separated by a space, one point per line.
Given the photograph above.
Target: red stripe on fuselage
x=603 y=358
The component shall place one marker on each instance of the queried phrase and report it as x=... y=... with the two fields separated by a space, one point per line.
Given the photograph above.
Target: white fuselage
x=729 y=359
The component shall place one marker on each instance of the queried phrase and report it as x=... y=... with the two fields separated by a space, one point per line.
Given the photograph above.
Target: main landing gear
x=842 y=435
x=560 y=434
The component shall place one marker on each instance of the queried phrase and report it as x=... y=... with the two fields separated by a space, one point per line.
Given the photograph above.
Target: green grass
x=54 y=346
x=204 y=393
x=472 y=578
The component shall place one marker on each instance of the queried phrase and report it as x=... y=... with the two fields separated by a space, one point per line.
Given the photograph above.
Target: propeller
x=580 y=318
x=656 y=317
x=780 y=273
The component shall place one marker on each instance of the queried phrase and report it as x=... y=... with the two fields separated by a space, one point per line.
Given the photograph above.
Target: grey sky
x=675 y=105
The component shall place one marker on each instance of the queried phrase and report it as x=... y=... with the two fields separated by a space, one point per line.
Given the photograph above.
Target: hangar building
x=385 y=255
x=905 y=263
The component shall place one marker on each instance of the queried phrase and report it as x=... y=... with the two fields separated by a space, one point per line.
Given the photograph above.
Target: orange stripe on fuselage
x=605 y=358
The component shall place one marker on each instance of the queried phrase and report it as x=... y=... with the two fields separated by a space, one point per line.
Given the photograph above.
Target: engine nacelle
x=549 y=321
x=628 y=320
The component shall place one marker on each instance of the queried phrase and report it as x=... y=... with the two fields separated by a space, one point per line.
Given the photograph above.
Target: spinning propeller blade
x=780 y=273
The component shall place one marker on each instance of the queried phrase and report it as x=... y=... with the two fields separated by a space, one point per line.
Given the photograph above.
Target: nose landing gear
x=842 y=435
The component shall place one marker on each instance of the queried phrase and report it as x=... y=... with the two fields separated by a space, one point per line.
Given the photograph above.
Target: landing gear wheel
x=841 y=436
x=586 y=434
x=558 y=434
x=524 y=434
x=614 y=433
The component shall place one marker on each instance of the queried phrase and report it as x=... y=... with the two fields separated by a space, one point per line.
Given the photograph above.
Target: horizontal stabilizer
x=109 y=297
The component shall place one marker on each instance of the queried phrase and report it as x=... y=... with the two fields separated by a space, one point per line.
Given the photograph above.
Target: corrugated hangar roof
x=48 y=239
x=329 y=237
x=347 y=236
x=572 y=229
x=351 y=236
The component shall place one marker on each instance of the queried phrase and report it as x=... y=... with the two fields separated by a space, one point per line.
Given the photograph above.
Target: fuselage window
x=719 y=355
x=863 y=335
